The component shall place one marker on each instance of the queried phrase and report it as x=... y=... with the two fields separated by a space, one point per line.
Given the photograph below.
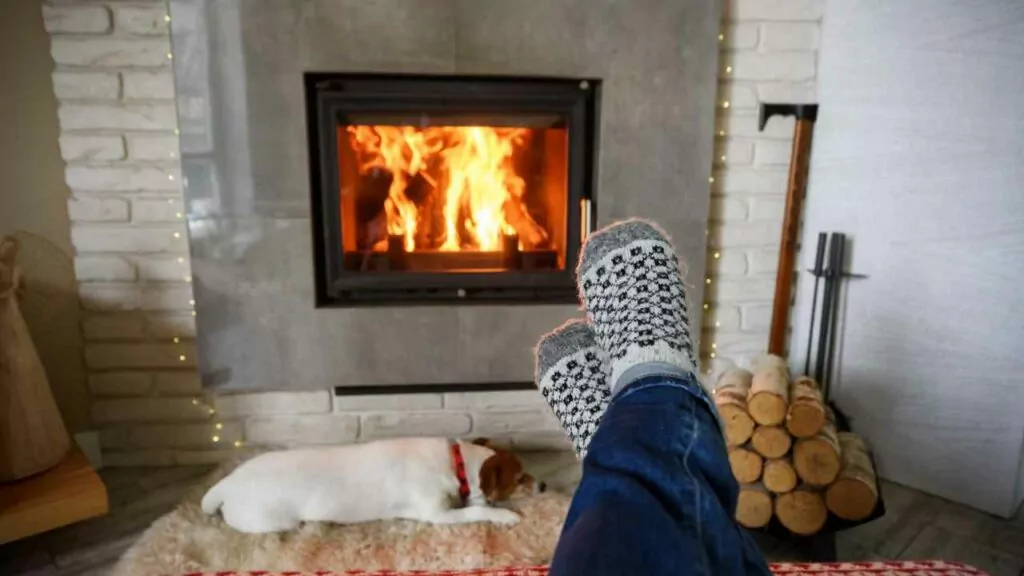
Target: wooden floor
x=917 y=526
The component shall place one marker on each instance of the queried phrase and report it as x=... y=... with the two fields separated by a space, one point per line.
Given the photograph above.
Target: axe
x=806 y=115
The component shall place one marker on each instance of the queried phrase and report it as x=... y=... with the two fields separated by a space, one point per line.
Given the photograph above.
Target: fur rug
x=187 y=540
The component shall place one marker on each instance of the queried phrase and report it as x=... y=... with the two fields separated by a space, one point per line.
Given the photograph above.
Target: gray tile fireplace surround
x=239 y=66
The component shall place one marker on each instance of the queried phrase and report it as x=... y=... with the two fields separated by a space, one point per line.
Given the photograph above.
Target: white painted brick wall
x=769 y=54
x=118 y=120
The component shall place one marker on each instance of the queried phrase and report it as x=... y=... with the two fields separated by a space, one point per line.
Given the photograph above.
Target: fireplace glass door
x=433 y=189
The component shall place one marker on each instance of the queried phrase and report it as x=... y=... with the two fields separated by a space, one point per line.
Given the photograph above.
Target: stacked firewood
x=786 y=453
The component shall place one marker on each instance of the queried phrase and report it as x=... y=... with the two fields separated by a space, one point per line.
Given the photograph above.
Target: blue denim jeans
x=657 y=494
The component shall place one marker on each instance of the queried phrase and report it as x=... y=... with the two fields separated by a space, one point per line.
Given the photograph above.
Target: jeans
x=657 y=494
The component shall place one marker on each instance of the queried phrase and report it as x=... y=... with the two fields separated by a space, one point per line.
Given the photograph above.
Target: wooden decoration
x=754 y=507
x=771 y=441
x=746 y=465
x=779 y=476
x=854 y=495
x=731 y=400
x=802 y=511
x=817 y=459
x=769 y=391
x=806 y=415
x=32 y=434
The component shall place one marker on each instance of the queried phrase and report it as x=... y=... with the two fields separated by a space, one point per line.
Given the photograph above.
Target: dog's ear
x=498 y=475
x=486 y=442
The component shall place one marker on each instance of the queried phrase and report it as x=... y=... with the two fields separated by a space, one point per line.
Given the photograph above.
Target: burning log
x=746 y=465
x=731 y=400
x=806 y=408
x=802 y=511
x=779 y=476
x=754 y=506
x=769 y=391
x=771 y=441
x=531 y=233
x=817 y=459
x=854 y=495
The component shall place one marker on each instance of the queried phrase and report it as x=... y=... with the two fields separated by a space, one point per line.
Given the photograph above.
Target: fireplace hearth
x=434 y=189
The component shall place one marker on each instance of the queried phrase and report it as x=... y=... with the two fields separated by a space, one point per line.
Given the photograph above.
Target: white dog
x=427 y=479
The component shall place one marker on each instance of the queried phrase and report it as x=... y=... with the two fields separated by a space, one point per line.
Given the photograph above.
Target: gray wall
x=239 y=66
x=918 y=155
x=33 y=204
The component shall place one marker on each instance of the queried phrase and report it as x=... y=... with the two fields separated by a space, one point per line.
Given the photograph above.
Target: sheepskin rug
x=187 y=540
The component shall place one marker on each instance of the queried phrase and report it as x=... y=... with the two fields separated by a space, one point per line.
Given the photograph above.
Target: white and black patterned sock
x=632 y=288
x=573 y=377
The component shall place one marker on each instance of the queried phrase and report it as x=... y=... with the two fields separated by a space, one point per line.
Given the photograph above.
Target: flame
x=471 y=166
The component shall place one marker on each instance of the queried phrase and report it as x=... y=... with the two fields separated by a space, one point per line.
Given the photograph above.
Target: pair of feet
x=631 y=288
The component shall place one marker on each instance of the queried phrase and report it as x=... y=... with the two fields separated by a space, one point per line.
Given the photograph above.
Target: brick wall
x=769 y=54
x=115 y=88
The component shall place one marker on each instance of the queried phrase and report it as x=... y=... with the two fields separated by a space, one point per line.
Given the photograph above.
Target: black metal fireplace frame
x=328 y=95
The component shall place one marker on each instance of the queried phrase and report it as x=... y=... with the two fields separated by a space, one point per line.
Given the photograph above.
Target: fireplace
x=433 y=189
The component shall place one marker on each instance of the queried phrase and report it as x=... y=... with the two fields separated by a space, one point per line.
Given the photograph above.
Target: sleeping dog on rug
x=433 y=480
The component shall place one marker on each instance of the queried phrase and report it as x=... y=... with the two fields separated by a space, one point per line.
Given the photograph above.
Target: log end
x=771 y=441
x=767 y=408
x=801 y=511
x=738 y=424
x=754 y=507
x=805 y=420
x=746 y=465
x=779 y=476
x=851 y=499
x=816 y=461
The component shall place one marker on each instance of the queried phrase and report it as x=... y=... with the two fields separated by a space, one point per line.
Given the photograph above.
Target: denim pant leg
x=657 y=494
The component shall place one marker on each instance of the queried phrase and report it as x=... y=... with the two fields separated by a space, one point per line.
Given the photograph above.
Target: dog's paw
x=503 y=517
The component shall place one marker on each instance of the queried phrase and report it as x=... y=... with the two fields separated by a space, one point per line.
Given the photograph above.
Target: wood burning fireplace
x=440 y=189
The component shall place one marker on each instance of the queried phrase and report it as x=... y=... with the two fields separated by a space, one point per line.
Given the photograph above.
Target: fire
x=471 y=167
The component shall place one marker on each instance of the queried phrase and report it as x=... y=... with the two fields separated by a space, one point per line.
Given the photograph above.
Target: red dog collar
x=459 y=463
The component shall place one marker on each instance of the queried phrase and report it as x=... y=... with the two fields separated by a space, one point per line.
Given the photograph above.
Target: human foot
x=573 y=377
x=631 y=286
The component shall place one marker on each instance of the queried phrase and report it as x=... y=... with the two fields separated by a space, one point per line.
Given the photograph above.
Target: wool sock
x=573 y=377
x=632 y=288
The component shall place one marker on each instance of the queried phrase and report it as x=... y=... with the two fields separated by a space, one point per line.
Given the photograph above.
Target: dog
x=434 y=480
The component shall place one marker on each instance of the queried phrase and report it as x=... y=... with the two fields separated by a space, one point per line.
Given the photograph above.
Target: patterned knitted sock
x=632 y=288
x=573 y=377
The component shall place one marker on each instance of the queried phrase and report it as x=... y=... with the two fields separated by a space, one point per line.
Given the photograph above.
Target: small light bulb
x=714 y=346
x=212 y=411
x=177 y=132
x=219 y=426
x=195 y=402
x=718 y=255
x=711 y=180
x=181 y=358
x=167 y=17
x=193 y=312
x=717 y=324
x=177 y=234
x=723 y=158
x=712 y=355
x=721 y=37
x=725 y=104
x=170 y=56
x=188 y=278
x=238 y=443
x=181 y=260
x=170 y=177
x=177 y=340
x=721 y=133
x=728 y=69
x=706 y=305
x=707 y=280
x=191 y=302
x=216 y=438
x=177 y=214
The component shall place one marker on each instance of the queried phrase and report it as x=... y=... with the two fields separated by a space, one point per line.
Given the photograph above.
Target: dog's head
x=502 y=477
